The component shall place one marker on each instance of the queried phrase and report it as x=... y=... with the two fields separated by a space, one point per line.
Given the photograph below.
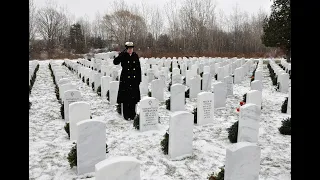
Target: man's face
x=130 y=50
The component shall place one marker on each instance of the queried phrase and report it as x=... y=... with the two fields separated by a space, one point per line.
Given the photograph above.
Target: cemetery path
x=48 y=143
x=275 y=147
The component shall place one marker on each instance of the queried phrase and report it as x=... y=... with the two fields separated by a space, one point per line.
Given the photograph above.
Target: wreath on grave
x=66 y=128
x=165 y=143
x=272 y=75
x=87 y=81
x=284 y=105
x=118 y=108
x=285 y=129
x=244 y=98
x=168 y=104
x=187 y=93
x=72 y=155
x=62 y=110
x=169 y=86
x=218 y=176
x=195 y=115
x=99 y=91
x=233 y=132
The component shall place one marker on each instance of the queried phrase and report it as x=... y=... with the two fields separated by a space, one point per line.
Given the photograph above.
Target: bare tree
x=51 y=24
x=32 y=23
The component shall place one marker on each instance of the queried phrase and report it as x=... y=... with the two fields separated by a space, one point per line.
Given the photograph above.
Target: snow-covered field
x=49 y=144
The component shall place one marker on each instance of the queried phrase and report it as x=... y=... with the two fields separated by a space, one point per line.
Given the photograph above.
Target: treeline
x=193 y=28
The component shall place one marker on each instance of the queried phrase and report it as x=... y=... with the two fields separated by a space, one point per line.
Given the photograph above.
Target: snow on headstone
x=121 y=167
x=78 y=111
x=242 y=161
x=91 y=145
x=177 y=97
x=180 y=134
x=248 y=130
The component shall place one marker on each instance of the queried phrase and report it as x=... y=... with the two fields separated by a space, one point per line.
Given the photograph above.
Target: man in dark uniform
x=130 y=78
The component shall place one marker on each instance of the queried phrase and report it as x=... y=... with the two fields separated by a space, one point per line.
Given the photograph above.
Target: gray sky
x=80 y=8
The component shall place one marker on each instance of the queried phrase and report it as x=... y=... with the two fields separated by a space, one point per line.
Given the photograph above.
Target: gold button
x=128 y=69
x=134 y=76
x=128 y=61
x=129 y=77
x=134 y=68
x=134 y=62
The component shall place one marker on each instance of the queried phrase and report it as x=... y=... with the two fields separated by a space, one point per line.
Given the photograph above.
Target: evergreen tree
x=77 y=42
x=277 y=27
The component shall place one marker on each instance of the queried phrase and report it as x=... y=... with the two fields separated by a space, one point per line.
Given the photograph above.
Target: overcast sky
x=80 y=8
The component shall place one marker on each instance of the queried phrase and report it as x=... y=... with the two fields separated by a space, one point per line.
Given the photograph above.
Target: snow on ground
x=49 y=144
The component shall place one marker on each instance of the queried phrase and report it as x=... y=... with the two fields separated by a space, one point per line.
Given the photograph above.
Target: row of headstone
x=90 y=137
x=286 y=65
x=282 y=76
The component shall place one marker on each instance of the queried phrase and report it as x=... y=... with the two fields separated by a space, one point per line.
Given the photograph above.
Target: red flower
x=238 y=109
x=242 y=103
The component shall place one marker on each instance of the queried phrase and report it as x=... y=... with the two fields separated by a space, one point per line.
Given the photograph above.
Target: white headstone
x=220 y=94
x=78 y=111
x=144 y=85
x=289 y=102
x=177 y=97
x=157 y=89
x=97 y=81
x=105 y=85
x=258 y=75
x=205 y=108
x=242 y=161
x=256 y=85
x=248 y=130
x=177 y=79
x=91 y=145
x=229 y=83
x=63 y=81
x=121 y=168
x=238 y=75
x=150 y=75
x=206 y=69
x=206 y=81
x=70 y=96
x=113 y=92
x=66 y=87
x=254 y=97
x=195 y=86
x=148 y=114
x=220 y=73
x=284 y=82
x=175 y=71
x=180 y=134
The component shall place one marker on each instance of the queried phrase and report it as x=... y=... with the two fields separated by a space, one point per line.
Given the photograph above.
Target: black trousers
x=129 y=110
